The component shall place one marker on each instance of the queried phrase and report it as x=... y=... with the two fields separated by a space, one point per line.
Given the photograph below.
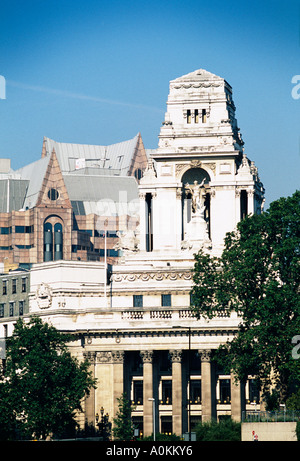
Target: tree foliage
x=210 y=431
x=258 y=277
x=123 y=426
x=43 y=384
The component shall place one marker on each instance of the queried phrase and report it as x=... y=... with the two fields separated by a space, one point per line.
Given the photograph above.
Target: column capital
x=147 y=356
x=205 y=355
x=117 y=356
x=90 y=356
x=176 y=355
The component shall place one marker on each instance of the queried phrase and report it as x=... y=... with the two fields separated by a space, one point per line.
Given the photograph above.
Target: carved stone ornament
x=147 y=356
x=128 y=241
x=104 y=356
x=44 y=296
x=159 y=276
x=117 y=356
x=175 y=355
x=205 y=355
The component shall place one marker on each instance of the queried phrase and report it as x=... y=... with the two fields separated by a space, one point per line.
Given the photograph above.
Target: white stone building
x=137 y=329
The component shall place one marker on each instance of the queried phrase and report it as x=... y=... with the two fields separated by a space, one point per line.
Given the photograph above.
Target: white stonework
x=199 y=140
x=141 y=320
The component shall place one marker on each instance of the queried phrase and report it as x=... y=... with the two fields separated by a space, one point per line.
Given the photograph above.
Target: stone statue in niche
x=196 y=231
x=198 y=197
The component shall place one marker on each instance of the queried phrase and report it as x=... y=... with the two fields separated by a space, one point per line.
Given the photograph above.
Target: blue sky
x=98 y=72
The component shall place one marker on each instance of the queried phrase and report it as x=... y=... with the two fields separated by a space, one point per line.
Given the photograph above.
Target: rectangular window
x=203 y=115
x=20 y=229
x=5 y=230
x=24 y=284
x=195 y=392
x=196 y=116
x=137 y=300
x=253 y=391
x=4 y=287
x=166 y=300
x=166 y=425
x=11 y=309
x=14 y=286
x=188 y=116
x=21 y=307
x=166 y=387
x=138 y=392
x=225 y=390
x=2 y=306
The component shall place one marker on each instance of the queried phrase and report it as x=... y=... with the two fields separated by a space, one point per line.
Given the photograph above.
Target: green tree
x=226 y=430
x=257 y=276
x=123 y=426
x=43 y=383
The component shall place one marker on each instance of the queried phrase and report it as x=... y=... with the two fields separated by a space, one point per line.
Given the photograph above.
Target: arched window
x=53 y=239
x=48 y=242
x=58 y=241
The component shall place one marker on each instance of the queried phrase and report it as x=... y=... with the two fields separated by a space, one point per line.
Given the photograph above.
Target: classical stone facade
x=133 y=319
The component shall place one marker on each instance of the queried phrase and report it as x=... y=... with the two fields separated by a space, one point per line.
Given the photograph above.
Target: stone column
x=237 y=391
x=118 y=379
x=250 y=194
x=237 y=205
x=147 y=357
x=207 y=386
x=142 y=196
x=176 y=356
x=90 y=400
x=179 y=220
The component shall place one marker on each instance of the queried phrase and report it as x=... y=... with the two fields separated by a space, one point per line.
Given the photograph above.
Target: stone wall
x=269 y=432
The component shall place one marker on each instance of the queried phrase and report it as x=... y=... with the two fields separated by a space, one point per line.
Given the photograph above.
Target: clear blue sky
x=98 y=72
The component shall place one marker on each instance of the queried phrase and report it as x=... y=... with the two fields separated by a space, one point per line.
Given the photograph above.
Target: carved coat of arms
x=44 y=296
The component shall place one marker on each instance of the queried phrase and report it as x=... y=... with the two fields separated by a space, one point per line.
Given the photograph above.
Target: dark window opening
x=53 y=194
x=137 y=300
x=244 y=204
x=188 y=116
x=166 y=300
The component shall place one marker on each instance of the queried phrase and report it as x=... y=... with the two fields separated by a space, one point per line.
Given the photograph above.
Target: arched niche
x=189 y=177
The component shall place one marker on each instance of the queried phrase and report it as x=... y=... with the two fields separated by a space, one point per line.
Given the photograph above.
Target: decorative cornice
x=186 y=86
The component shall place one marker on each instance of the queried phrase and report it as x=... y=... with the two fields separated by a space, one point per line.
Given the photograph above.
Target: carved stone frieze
x=158 y=276
x=186 y=85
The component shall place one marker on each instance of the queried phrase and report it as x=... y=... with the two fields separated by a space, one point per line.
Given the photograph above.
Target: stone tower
x=199 y=183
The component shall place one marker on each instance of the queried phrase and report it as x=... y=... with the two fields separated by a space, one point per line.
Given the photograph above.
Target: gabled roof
x=114 y=159
x=197 y=75
x=12 y=193
x=34 y=173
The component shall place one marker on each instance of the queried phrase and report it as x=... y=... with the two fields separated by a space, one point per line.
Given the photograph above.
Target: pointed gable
x=139 y=159
x=53 y=190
